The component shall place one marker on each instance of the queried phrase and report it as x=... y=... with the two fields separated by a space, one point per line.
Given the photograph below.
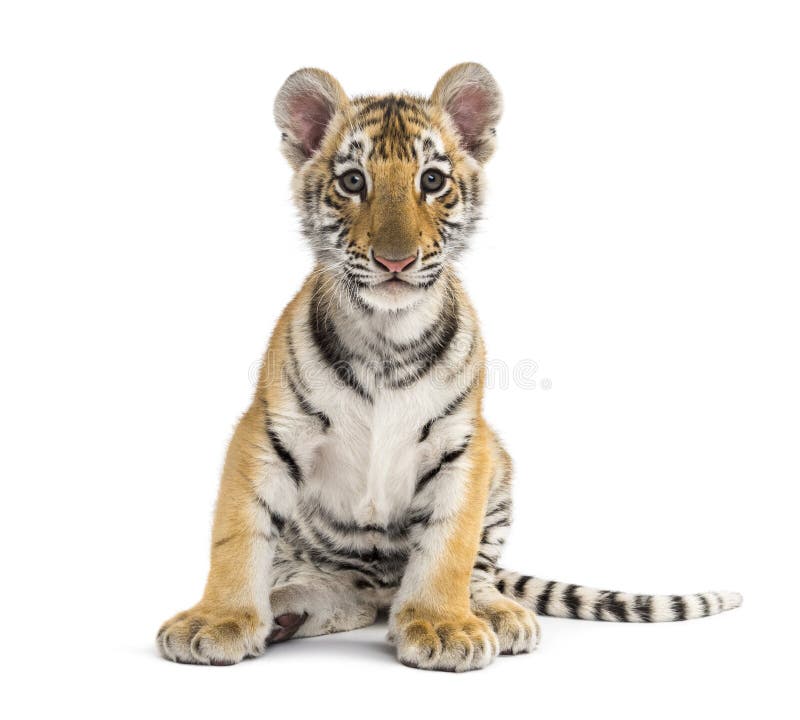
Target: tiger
x=363 y=479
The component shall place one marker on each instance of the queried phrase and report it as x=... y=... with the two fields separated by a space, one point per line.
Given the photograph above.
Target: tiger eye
x=353 y=182
x=432 y=181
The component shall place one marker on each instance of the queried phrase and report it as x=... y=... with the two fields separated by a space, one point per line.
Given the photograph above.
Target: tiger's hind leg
x=307 y=601
x=516 y=626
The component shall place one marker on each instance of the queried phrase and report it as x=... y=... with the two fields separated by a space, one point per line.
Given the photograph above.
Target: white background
x=640 y=246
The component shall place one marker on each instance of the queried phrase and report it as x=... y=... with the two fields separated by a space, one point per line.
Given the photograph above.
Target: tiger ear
x=303 y=110
x=471 y=97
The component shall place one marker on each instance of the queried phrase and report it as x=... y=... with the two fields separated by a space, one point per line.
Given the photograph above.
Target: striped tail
x=559 y=599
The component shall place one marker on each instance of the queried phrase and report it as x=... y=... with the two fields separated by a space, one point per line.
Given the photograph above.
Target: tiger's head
x=388 y=187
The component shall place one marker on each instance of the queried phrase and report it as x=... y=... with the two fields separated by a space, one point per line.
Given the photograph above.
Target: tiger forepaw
x=205 y=636
x=443 y=643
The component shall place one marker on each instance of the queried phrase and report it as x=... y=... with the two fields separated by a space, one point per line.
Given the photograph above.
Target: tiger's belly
x=353 y=509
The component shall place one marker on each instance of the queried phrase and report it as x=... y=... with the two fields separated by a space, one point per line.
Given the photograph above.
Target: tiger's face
x=388 y=187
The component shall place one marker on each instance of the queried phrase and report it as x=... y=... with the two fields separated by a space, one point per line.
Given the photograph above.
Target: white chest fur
x=367 y=466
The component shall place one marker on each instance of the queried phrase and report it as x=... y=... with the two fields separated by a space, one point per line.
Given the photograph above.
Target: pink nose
x=395 y=265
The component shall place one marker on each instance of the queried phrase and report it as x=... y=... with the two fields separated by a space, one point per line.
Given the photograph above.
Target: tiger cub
x=363 y=476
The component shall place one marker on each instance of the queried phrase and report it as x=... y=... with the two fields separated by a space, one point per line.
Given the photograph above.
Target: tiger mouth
x=394 y=282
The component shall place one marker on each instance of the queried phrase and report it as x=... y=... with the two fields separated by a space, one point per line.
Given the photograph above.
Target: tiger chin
x=363 y=477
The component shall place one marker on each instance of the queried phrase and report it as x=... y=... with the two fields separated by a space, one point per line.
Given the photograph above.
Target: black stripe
x=333 y=201
x=678 y=607
x=704 y=603
x=292 y=352
x=571 y=600
x=598 y=605
x=285 y=456
x=474 y=186
x=432 y=354
x=487 y=558
x=519 y=586
x=501 y=587
x=642 y=605
x=462 y=186
x=544 y=598
x=433 y=347
x=503 y=505
x=320 y=558
x=452 y=455
x=610 y=602
x=420 y=518
x=430 y=267
x=417 y=345
x=324 y=557
x=447 y=458
x=426 y=430
x=392 y=105
x=305 y=406
x=355 y=297
x=277 y=520
x=430 y=278
x=402 y=355
x=356 y=277
x=387 y=557
x=393 y=531
x=502 y=522
x=330 y=346
x=449 y=410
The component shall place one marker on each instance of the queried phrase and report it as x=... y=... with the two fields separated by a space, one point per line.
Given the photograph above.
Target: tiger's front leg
x=257 y=492
x=431 y=621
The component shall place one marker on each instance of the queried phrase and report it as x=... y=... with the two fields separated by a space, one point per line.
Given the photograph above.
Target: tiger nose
x=395 y=265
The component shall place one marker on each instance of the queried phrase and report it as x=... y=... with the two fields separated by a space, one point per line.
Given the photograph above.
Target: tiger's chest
x=365 y=468
x=377 y=396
